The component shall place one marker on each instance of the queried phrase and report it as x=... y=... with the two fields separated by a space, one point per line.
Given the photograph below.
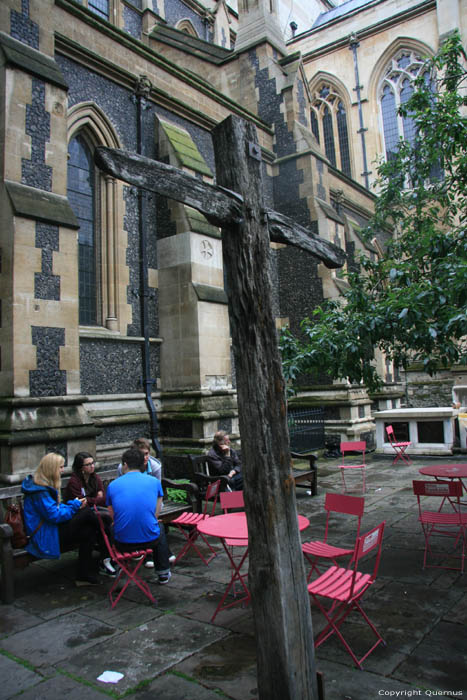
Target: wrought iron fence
x=306 y=429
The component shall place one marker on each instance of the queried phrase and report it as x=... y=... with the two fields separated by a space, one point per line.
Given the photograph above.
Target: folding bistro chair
x=321 y=549
x=129 y=563
x=353 y=446
x=187 y=524
x=441 y=523
x=233 y=500
x=345 y=588
x=398 y=447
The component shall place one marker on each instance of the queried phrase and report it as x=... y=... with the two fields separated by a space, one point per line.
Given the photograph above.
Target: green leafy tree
x=410 y=302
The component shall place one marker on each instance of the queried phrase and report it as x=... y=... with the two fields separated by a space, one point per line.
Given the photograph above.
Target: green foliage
x=411 y=303
x=178 y=495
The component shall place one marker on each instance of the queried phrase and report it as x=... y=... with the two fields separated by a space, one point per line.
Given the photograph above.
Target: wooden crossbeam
x=220 y=206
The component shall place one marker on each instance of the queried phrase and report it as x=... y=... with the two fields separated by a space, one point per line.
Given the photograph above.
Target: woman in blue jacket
x=55 y=526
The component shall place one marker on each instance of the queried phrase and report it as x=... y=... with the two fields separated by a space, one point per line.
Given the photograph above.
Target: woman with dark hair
x=85 y=483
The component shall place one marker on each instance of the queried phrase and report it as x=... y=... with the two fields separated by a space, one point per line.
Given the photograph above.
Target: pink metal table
x=446 y=471
x=233 y=526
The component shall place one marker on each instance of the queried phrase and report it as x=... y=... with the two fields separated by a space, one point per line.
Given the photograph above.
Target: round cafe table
x=233 y=526
x=446 y=471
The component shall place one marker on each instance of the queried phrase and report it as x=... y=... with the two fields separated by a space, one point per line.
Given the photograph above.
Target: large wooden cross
x=281 y=608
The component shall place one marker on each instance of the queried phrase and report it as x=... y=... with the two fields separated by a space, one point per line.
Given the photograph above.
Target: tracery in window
x=329 y=125
x=395 y=89
x=186 y=26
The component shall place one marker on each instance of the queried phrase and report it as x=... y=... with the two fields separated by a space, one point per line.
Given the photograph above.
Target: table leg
x=236 y=576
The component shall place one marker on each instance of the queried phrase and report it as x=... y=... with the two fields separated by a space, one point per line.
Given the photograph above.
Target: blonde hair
x=48 y=472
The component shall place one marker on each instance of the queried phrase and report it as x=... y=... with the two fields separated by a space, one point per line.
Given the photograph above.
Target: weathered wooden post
x=286 y=667
x=277 y=580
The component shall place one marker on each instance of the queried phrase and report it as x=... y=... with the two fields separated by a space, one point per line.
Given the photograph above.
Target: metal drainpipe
x=142 y=89
x=353 y=46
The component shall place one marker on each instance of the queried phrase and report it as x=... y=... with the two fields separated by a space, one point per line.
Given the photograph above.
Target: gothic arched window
x=95 y=198
x=329 y=125
x=395 y=89
x=82 y=197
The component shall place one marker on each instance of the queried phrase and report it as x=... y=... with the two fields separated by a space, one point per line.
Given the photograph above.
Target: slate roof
x=340 y=11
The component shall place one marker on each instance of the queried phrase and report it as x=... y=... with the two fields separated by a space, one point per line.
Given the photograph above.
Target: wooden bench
x=304 y=478
x=200 y=475
x=11 y=559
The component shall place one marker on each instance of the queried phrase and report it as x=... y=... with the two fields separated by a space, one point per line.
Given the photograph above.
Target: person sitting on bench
x=54 y=526
x=224 y=460
x=85 y=483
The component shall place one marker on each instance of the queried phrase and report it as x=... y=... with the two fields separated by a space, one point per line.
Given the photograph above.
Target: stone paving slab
x=348 y=683
x=52 y=597
x=15 y=677
x=61 y=687
x=228 y=665
x=144 y=652
x=53 y=641
x=458 y=612
x=125 y=616
x=13 y=620
x=382 y=661
x=170 y=686
x=436 y=664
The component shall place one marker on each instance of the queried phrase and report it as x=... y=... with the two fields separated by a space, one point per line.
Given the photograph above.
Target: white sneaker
x=149 y=564
x=172 y=559
x=107 y=568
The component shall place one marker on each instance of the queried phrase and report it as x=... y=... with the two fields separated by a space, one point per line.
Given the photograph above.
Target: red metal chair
x=442 y=524
x=187 y=524
x=129 y=563
x=353 y=446
x=233 y=501
x=398 y=447
x=345 y=588
x=321 y=549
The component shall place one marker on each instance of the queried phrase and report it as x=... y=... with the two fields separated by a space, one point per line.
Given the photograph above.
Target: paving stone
x=228 y=665
x=438 y=663
x=53 y=597
x=15 y=677
x=13 y=619
x=458 y=612
x=170 y=686
x=125 y=616
x=61 y=687
x=143 y=653
x=348 y=683
x=53 y=641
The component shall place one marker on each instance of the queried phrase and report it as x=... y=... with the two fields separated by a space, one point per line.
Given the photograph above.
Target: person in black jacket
x=224 y=460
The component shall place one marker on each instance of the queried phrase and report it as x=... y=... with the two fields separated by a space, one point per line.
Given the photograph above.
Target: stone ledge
x=39 y=205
